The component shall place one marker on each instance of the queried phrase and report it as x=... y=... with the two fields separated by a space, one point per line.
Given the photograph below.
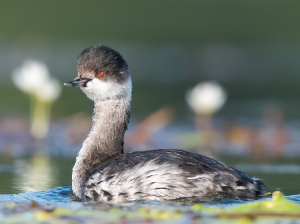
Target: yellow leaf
x=44 y=216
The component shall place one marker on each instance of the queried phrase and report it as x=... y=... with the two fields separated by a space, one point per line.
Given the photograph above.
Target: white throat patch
x=99 y=90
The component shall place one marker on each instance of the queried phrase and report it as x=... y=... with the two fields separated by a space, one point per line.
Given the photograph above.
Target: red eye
x=100 y=74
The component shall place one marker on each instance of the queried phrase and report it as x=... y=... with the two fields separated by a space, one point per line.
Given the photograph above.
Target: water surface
x=40 y=178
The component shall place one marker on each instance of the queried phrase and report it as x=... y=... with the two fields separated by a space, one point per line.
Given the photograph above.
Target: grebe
x=103 y=172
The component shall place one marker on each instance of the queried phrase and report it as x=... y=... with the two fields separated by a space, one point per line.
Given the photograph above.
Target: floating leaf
x=278 y=204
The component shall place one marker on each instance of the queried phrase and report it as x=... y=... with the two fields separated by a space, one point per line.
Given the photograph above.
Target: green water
x=34 y=173
x=37 y=173
x=36 y=178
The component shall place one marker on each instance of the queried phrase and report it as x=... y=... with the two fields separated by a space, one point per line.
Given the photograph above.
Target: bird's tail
x=260 y=187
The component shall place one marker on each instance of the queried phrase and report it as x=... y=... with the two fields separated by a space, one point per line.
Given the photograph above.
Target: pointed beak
x=77 y=82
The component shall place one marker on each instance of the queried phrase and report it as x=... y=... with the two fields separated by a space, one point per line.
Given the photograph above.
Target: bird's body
x=167 y=174
x=102 y=171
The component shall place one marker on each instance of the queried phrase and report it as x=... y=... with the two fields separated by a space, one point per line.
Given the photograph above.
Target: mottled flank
x=170 y=174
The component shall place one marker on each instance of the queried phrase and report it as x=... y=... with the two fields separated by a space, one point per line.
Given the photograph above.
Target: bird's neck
x=104 y=141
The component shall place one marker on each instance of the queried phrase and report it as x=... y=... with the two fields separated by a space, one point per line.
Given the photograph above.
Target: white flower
x=206 y=98
x=31 y=76
x=34 y=78
x=50 y=91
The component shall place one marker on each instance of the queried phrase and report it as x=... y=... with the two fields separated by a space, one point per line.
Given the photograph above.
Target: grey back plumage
x=168 y=174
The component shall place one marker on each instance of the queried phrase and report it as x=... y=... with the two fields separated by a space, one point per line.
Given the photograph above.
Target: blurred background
x=249 y=50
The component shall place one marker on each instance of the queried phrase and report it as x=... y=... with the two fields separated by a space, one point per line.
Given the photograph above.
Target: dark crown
x=102 y=58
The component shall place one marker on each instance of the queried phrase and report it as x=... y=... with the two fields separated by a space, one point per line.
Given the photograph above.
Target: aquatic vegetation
x=277 y=208
x=206 y=98
x=33 y=78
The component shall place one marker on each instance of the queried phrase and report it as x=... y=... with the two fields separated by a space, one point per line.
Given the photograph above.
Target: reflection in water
x=43 y=173
x=268 y=168
x=33 y=175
